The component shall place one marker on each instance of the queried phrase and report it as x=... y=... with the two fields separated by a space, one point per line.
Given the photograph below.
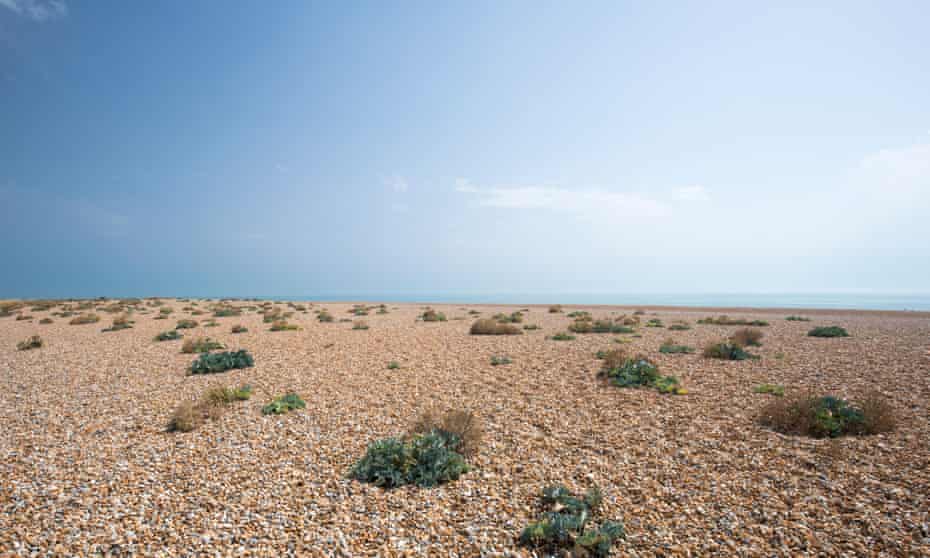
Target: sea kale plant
x=211 y=363
x=567 y=525
x=638 y=372
x=828 y=416
x=284 y=404
x=170 y=335
x=727 y=350
x=424 y=460
x=828 y=331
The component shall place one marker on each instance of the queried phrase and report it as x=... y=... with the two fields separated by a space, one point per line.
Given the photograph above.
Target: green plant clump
x=727 y=350
x=499 y=360
x=186 y=324
x=211 y=363
x=566 y=526
x=430 y=315
x=34 y=342
x=424 y=460
x=170 y=335
x=669 y=348
x=284 y=404
x=828 y=331
x=641 y=372
x=797 y=319
x=562 y=336
x=773 y=389
x=393 y=365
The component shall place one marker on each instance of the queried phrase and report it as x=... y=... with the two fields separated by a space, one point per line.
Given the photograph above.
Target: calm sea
x=860 y=301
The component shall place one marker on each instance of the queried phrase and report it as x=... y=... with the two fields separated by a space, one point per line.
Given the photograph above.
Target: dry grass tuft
x=464 y=424
x=490 y=326
x=808 y=414
x=85 y=319
x=614 y=358
x=747 y=337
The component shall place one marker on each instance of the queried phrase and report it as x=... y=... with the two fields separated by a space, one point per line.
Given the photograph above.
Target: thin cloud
x=37 y=10
x=591 y=202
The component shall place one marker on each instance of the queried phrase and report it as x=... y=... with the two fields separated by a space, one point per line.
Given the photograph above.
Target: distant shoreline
x=908 y=304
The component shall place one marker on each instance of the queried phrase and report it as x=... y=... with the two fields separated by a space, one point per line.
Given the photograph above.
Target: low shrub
x=581 y=326
x=424 y=460
x=382 y=309
x=211 y=363
x=655 y=322
x=226 y=312
x=461 y=428
x=121 y=322
x=226 y=395
x=679 y=326
x=555 y=309
x=284 y=404
x=186 y=324
x=200 y=345
x=562 y=336
x=211 y=323
x=360 y=325
x=797 y=319
x=828 y=416
x=513 y=318
x=747 y=337
x=170 y=335
x=34 y=342
x=85 y=319
x=828 y=331
x=189 y=415
x=669 y=347
x=22 y=317
x=773 y=389
x=490 y=326
x=238 y=328
x=726 y=320
x=186 y=417
x=325 y=317
x=393 y=365
x=46 y=321
x=282 y=325
x=566 y=527
x=639 y=372
x=430 y=315
x=499 y=360
x=612 y=358
x=726 y=350
x=530 y=327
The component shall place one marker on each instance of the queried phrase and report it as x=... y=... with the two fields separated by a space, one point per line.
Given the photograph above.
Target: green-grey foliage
x=211 y=363
x=283 y=404
x=425 y=460
x=170 y=335
x=828 y=331
x=567 y=525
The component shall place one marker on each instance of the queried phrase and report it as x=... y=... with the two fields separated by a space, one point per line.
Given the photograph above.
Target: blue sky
x=310 y=148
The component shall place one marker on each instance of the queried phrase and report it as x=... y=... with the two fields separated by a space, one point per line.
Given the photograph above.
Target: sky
x=355 y=149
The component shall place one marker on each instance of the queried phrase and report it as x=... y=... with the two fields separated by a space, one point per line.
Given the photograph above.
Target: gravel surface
x=87 y=466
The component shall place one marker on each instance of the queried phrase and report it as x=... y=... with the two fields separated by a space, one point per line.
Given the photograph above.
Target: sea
x=838 y=300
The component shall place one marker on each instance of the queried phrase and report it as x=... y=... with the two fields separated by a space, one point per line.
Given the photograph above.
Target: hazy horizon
x=219 y=149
